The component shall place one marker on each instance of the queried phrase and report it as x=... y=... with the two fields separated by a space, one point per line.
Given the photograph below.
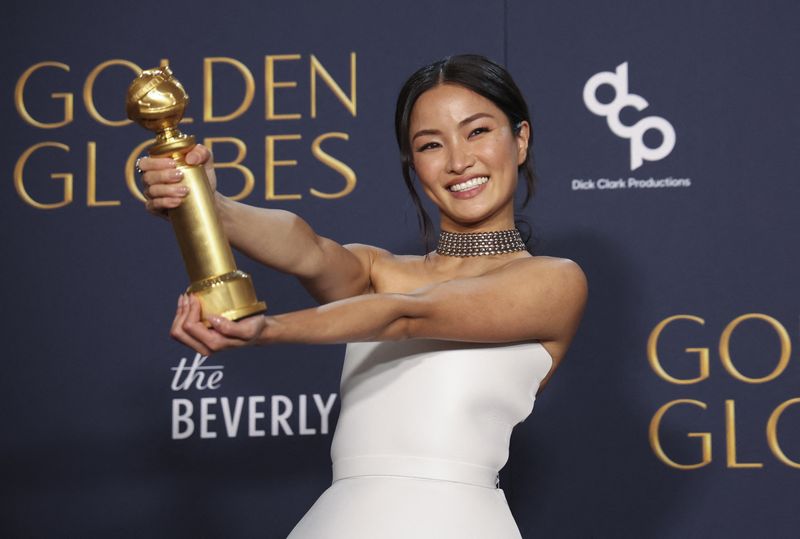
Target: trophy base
x=231 y=296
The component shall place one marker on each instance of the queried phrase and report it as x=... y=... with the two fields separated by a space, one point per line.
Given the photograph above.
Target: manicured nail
x=176 y=174
x=191 y=159
x=183 y=190
x=216 y=320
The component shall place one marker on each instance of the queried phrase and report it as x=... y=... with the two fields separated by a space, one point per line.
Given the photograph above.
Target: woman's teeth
x=469 y=184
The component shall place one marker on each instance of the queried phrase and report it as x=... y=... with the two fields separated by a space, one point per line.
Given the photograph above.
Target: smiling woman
x=446 y=352
x=485 y=79
x=464 y=146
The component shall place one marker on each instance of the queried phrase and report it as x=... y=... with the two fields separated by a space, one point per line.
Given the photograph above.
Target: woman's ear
x=523 y=133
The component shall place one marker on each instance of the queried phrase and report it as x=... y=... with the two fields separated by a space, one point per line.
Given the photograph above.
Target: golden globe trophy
x=156 y=101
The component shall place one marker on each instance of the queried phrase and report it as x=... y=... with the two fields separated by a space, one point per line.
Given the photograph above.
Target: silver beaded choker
x=480 y=243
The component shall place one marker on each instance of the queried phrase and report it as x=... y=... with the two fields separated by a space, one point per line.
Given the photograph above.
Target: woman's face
x=466 y=157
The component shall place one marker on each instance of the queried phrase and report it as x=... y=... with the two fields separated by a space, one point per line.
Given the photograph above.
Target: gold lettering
x=317 y=68
x=88 y=90
x=730 y=433
x=346 y=172
x=271 y=163
x=655 y=441
x=19 y=97
x=19 y=181
x=772 y=433
x=91 y=179
x=655 y=363
x=208 y=88
x=249 y=179
x=725 y=353
x=271 y=84
x=131 y=178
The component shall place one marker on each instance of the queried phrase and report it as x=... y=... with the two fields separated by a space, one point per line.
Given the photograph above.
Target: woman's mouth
x=472 y=183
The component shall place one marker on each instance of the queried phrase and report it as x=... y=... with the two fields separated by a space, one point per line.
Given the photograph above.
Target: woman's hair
x=485 y=78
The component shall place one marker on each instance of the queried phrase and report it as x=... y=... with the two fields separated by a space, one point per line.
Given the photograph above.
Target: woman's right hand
x=162 y=188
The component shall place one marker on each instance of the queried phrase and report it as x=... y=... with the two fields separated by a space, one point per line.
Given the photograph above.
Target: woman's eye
x=478 y=131
x=428 y=146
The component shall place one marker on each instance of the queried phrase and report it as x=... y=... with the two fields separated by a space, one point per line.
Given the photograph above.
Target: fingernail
x=183 y=190
x=180 y=300
x=172 y=163
x=216 y=320
x=191 y=159
x=176 y=174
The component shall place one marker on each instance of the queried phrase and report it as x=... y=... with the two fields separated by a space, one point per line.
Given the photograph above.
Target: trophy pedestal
x=230 y=295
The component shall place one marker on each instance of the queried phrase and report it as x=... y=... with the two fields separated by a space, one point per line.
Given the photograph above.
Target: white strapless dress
x=423 y=430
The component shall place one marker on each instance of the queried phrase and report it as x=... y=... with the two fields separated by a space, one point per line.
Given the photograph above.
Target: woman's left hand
x=189 y=329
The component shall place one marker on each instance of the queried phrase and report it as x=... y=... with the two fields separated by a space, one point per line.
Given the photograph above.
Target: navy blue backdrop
x=666 y=143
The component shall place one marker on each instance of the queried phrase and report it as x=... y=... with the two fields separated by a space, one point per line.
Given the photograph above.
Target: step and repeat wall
x=666 y=140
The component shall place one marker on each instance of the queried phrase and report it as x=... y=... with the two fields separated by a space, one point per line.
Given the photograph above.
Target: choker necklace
x=480 y=243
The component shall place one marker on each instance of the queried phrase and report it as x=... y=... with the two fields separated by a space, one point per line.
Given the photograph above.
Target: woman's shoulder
x=384 y=256
x=387 y=271
x=562 y=276
x=546 y=266
x=380 y=255
x=553 y=263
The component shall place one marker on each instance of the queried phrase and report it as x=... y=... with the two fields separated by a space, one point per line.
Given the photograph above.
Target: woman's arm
x=528 y=299
x=275 y=238
x=285 y=242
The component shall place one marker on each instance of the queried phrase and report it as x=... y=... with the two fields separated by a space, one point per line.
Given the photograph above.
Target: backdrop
x=666 y=144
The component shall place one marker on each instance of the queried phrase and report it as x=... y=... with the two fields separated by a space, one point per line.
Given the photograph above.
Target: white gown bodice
x=424 y=428
x=429 y=408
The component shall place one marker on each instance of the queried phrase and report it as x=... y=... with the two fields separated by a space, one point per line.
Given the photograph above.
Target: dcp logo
x=619 y=81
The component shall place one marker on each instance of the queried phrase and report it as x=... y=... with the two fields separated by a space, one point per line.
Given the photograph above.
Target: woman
x=446 y=351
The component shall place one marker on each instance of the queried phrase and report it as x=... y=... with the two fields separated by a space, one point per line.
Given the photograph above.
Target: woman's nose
x=459 y=158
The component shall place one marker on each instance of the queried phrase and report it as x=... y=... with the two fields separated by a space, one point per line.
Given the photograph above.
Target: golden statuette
x=156 y=101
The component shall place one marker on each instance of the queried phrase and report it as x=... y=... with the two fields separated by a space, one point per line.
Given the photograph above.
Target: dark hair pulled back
x=485 y=78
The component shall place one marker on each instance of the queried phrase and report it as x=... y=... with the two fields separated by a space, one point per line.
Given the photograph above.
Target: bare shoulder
x=374 y=255
x=556 y=288
x=380 y=264
x=381 y=256
x=393 y=273
x=554 y=285
x=366 y=251
x=548 y=270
